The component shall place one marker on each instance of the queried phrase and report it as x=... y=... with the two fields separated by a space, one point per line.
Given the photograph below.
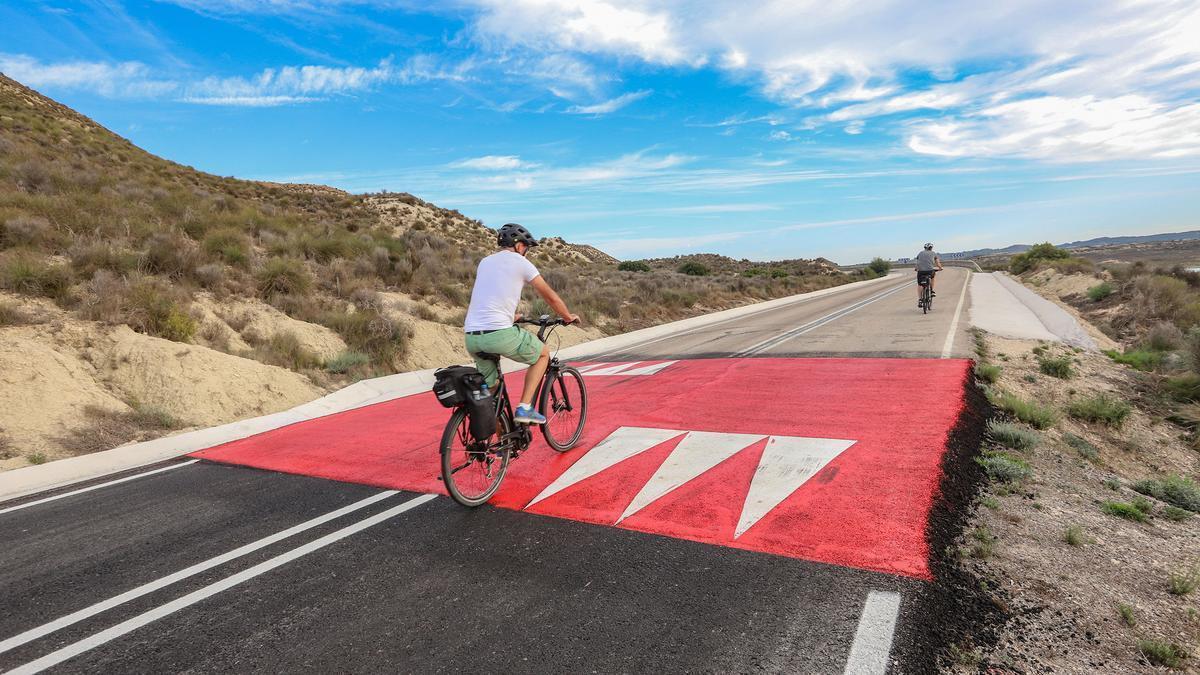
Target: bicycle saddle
x=488 y=357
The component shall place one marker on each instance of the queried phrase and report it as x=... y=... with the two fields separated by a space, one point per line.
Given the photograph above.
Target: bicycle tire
x=455 y=432
x=555 y=387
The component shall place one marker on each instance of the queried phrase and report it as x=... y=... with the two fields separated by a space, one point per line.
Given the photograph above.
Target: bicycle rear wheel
x=472 y=472
x=564 y=403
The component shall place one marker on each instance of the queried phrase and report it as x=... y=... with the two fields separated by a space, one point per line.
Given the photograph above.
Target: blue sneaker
x=525 y=414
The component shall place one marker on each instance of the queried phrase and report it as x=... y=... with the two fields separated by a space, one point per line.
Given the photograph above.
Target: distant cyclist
x=929 y=263
x=489 y=325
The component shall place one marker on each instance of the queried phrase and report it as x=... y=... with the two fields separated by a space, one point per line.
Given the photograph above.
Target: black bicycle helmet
x=512 y=234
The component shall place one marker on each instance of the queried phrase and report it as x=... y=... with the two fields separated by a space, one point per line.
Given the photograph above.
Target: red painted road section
x=868 y=508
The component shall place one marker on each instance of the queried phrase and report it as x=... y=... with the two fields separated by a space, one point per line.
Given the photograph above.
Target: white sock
x=524 y=405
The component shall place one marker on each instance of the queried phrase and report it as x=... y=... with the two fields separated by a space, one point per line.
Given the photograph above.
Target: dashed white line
x=75 y=617
x=872 y=647
x=75 y=649
x=948 y=346
x=72 y=493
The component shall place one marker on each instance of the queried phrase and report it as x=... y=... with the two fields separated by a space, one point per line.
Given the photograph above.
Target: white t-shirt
x=498 y=284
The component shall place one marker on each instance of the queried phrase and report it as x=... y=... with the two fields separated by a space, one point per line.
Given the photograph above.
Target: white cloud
x=843 y=62
x=128 y=78
x=586 y=25
x=248 y=101
x=611 y=105
x=493 y=163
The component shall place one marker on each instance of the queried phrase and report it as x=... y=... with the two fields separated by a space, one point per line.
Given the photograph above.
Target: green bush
x=1159 y=653
x=284 y=349
x=1101 y=408
x=1100 y=291
x=1124 y=510
x=1026 y=261
x=1059 y=367
x=1003 y=467
x=151 y=309
x=1184 y=388
x=987 y=372
x=1175 y=490
x=346 y=361
x=633 y=266
x=371 y=333
x=1084 y=448
x=1175 y=513
x=879 y=266
x=1033 y=414
x=693 y=268
x=283 y=276
x=1015 y=436
x=1138 y=359
x=228 y=244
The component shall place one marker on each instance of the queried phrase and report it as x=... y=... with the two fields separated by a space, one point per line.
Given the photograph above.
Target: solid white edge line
x=132 y=594
x=72 y=493
x=948 y=346
x=872 y=646
x=72 y=650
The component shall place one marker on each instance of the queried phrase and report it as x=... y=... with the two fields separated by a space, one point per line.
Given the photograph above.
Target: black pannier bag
x=447 y=385
x=464 y=385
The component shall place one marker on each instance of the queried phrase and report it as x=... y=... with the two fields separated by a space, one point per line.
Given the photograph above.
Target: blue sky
x=647 y=128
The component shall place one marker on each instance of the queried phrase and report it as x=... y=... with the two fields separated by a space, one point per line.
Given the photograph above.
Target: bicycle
x=472 y=469
x=926 y=283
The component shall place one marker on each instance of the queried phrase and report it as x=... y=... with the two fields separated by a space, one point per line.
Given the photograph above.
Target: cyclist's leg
x=489 y=368
x=520 y=346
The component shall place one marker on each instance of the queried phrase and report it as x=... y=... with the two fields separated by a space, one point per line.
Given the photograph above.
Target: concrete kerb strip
x=61 y=473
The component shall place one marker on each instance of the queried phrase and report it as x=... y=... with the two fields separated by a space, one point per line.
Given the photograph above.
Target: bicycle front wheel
x=564 y=403
x=472 y=472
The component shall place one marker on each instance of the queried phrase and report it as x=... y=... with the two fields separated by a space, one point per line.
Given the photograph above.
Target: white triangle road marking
x=622 y=444
x=787 y=463
x=648 y=370
x=613 y=370
x=585 y=367
x=698 y=452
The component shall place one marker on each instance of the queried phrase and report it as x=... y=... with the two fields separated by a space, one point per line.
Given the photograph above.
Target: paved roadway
x=205 y=567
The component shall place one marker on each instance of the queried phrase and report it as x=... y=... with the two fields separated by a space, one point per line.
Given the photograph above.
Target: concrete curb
x=33 y=479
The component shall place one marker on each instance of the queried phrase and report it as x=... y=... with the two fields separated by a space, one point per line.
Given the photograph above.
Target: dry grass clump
x=145 y=304
x=106 y=429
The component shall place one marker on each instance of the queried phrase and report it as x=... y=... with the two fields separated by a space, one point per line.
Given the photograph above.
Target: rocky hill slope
x=138 y=295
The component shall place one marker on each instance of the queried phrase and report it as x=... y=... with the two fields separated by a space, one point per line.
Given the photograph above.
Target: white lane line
x=948 y=346
x=75 y=617
x=777 y=340
x=872 y=647
x=72 y=650
x=750 y=315
x=72 y=493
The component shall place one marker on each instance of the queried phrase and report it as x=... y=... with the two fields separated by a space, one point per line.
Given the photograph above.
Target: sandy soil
x=1064 y=599
x=1056 y=287
x=51 y=372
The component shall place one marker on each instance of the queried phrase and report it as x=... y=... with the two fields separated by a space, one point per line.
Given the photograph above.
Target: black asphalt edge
x=956 y=603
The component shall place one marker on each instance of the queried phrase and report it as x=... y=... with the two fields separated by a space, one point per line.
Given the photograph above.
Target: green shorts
x=515 y=343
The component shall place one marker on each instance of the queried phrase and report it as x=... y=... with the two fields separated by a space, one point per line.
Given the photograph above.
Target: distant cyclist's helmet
x=928 y=246
x=512 y=234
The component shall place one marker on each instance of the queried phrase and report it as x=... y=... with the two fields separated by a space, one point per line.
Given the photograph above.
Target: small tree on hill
x=880 y=266
x=694 y=269
x=1023 y=262
x=633 y=266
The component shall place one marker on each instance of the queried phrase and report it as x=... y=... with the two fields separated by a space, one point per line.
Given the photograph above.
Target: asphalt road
x=205 y=567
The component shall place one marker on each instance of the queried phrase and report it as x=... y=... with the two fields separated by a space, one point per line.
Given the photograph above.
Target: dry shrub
x=88 y=256
x=144 y=304
x=170 y=254
x=107 y=429
x=11 y=314
x=284 y=349
x=25 y=231
x=1165 y=298
x=228 y=245
x=1163 y=337
x=31 y=274
x=283 y=276
x=372 y=333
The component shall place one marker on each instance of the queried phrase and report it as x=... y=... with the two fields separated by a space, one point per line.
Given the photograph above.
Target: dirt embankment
x=1096 y=569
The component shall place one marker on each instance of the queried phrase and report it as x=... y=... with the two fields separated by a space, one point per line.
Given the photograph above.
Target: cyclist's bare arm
x=556 y=303
x=938 y=261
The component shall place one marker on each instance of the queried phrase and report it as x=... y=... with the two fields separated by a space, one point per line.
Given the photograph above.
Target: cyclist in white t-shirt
x=489 y=325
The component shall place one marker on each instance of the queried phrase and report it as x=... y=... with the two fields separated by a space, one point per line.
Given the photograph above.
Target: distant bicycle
x=926 y=301
x=473 y=468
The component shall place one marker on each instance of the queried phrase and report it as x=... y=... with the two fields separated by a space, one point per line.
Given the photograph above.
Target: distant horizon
x=759 y=131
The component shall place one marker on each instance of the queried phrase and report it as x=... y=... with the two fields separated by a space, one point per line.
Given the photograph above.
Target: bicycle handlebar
x=545 y=320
